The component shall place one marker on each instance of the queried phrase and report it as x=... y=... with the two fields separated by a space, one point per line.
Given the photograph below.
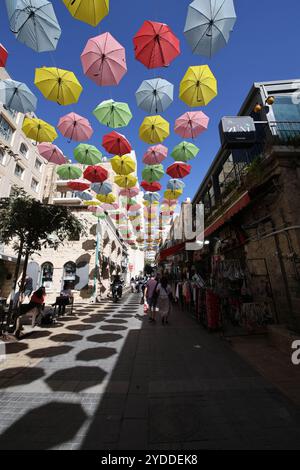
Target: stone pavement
x=104 y=378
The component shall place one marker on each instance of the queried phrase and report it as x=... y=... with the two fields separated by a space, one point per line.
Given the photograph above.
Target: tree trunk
x=16 y=276
x=24 y=272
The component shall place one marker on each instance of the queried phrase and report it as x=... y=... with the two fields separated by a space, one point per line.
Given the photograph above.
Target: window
x=23 y=149
x=47 y=275
x=34 y=185
x=69 y=276
x=2 y=157
x=38 y=164
x=6 y=131
x=19 y=171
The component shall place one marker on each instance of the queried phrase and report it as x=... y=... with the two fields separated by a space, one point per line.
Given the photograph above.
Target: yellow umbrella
x=38 y=130
x=169 y=194
x=123 y=165
x=148 y=203
x=106 y=198
x=88 y=11
x=154 y=129
x=199 y=86
x=91 y=203
x=126 y=182
x=58 y=85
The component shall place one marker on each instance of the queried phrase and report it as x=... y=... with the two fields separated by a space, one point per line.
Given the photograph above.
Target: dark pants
x=61 y=302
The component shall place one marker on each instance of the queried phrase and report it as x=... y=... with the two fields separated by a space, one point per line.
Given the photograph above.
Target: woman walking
x=164 y=293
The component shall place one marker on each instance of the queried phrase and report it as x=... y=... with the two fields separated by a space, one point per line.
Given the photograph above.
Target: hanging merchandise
x=51 y=153
x=87 y=154
x=191 y=124
x=116 y=144
x=179 y=170
x=38 y=130
x=123 y=165
x=75 y=127
x=88 y=11
x=184 y=151
x=152 y=173
x=198 y=86
x=155 y=96
x=154 y=130
x=113 y=114
x=17 y=96
x=58 y=85
x=96 y=174
x=69 y=172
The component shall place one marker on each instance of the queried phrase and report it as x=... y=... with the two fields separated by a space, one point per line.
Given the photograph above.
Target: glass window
x=38 y=164
x=34 y=185
x=2 y=157
x=47 y=275
x=23 y=149
x=69 y=276
x=6 y=131
x=19 y=171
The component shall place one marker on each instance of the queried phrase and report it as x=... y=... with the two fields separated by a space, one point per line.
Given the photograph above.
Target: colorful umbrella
x=106 y=198
x=104 y=60
x=102 y=188
x=126 y=182
x=88 y=11
x=152 y=187
x=153 y=173
x=208 y=25
x=51 y=153
x=198 y=86
x=58 y=85
x=116 y=144
x=175 y=184
x=155 y=96
x=84 y=196
x=191 y=124
x=154 y=129
x=79 y=185
x=129 y=192
x=123 y=165
x=87 y=154
x=34 y=23
x=169 y=202
x=96 y=174
x=151 y=197
x=17 y=96
x=179 y=170
x=156 y=45
x=69 y=172
x=148 y=203
x=113 y=114
x=38 y=130
x=184 y=151
x=134 y=207
x=109 y=207
x=92 y=203
x=155 y=155
x=169 y=194
x=75 y=127
x=3 y=55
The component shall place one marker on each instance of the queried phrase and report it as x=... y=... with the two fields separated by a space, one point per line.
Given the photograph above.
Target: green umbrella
x=69 y=172
x=152 y=173
x=184 y=151
x=87 y=154
x=113 y=114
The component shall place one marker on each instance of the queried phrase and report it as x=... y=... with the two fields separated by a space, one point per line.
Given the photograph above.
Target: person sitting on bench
x=64 y=299
x=33 y=309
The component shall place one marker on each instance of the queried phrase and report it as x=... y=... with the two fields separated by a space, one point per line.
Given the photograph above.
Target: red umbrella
x=116 y=144
x=156 y=45
x=152 y=187
x=95 y=174
x=179 y=170
x=79 y=185
x=3 y=56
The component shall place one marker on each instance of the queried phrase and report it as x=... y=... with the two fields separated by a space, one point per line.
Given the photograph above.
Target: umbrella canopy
x=104 y=60
x=106 y=198
x=109 y=207
x=191 y=124
x=51 y=153
x=75 y=127
x=87 y=154
x=175 y=184
x=17 y=96
x=151 y=197
x=91 y=203
x=116 y=144
x=179 y=170
x=134 y=207
x=155 y=155
x=169 y=194
x=155 y=96
x=123 y=165
x=198 y=86
x=155 y=45
x=153 y=173
x=69 y=172
x=129 y=192
x=208 y=25
x=113 y=114
x=96 y=174
x=148 y=203
x=151 y=187
x=79 y=185
x=58 y=85
x=185 y=151
x=169 y=202
x=38 y=130
x=154 y=129
x=34 y=23
x=126 y=182
x=85 y=196
x=102 y=188
x=88 y=11
x=3 y=55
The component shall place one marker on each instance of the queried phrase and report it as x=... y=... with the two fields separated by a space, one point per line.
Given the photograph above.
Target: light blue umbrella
x=152 y=197
x=84 y=195
x=102 y=188
x=208 y=25
x=34 y=23
x=155 y=96
x=17 y=96
x=175 y=185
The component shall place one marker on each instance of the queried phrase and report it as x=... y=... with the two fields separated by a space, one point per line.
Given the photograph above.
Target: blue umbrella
x=34 y=23
x=152 y=197
x=84 y=195
x=17 y=96
x=208 y=25
x=155 y=96
x=175 y=184
x=102 y=188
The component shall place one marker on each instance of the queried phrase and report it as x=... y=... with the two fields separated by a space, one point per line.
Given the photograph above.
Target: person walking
x=164 y=296
x=132 y=285
x=150 y=296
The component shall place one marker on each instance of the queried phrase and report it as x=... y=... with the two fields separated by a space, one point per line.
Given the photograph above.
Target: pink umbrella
x=75 y=127
x=155 y=155
x=51 y=153
x=130 y=192
x=170 y=202
x=191 y=124
x=104 y=60
x=108 y=207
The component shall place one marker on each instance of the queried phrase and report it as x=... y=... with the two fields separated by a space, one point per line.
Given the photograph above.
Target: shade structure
x=58 y=85
x=208 y=25
x=51 y=153
x=198 y=86
x=191 y=124
x=130 y=192
x=17 y=96
x=88 y=11
x=106 y=198
x=96 y=174
x=116 y=144
x=102 y=188
x=151 y=197
x=104 y=60
x=152 y=173
x=184 y=151
x=87 y=154
x=154 y=129
x=175 y=184
x=126 y=182
x=34 y=23
x=75 y=127
x=79 y=185
x=69 y=172
x=84 y=195
x=179 y=170
x=38 y=130
x=169 y=194
x=123 y=165
x=155 y=95
x=3 y=55
x=113 y=114
x=155 y=45
x=151 y=187
x=155 y=155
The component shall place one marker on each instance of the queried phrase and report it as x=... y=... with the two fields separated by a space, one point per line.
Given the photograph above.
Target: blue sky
x=263 y=46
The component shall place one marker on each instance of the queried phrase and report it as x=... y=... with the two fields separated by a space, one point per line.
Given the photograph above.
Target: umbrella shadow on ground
x=80 y=327
x=14 y=348
x=122 y=315
x=66 y=338
x=88 y=245
x=49 y=352
x=84 y=377
x=94 y=354
x=116 y=321
x=36 y=334
x=104 y=338
x=95 y=319
x=50 y=425
x=19 y=376
x=113 y=328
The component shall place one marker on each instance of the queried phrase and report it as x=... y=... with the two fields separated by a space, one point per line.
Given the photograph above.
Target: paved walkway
x=107 y=379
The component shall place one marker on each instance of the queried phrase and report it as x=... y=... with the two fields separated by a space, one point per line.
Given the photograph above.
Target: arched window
x=47 y=275
x=69 y=275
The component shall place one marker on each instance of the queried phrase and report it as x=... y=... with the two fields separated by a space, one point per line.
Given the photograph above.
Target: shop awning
x=173 y=250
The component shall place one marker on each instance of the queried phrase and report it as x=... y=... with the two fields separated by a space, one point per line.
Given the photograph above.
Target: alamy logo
x=296 y=353
x=2 y=352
